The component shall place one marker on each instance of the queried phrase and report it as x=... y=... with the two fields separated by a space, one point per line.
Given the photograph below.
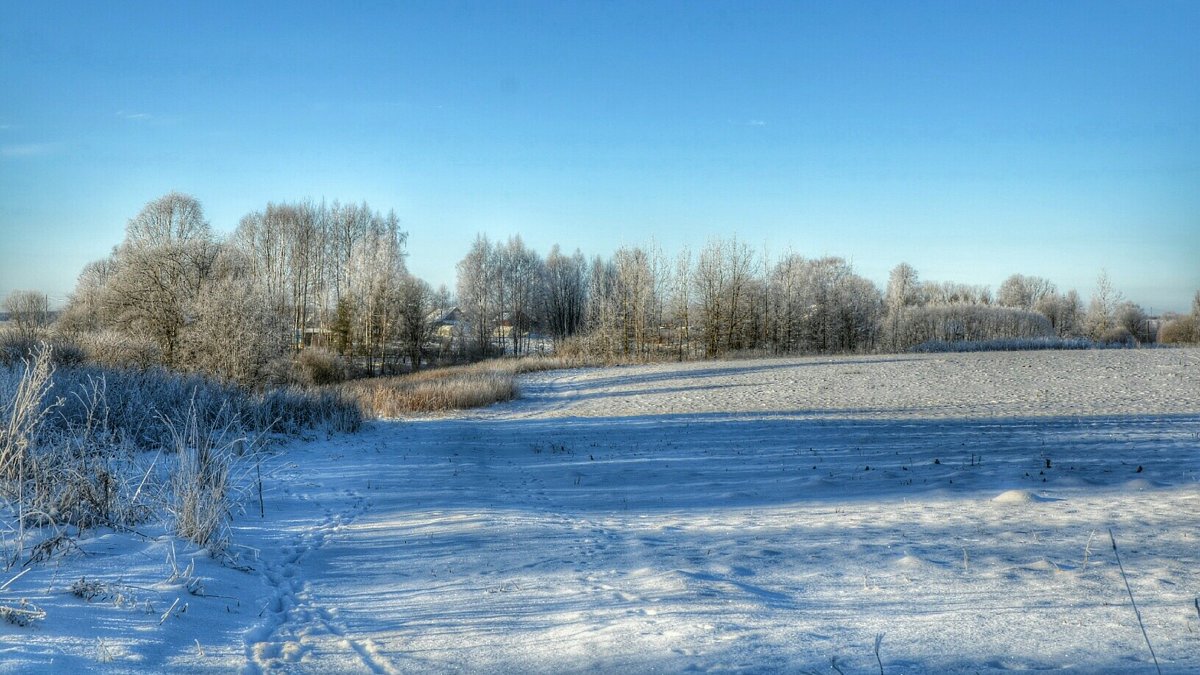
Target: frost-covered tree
x=1131 y=318
x=953 y=293
x=678 y=312
x=520 y=277
x=1182 y=329
x=723 y=280
x=902 y=292
x=821 y=306
x=231 y=332
x=166 y=257
x=1100 y=322
x=1063 y=311
x=174 y=218
x=1024 y=292
x=635 y=300
x=971 y=323
x=29 y=312
x=478 y=276
x=84 y=312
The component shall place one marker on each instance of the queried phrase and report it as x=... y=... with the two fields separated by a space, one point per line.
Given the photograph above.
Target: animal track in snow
x=295 y=624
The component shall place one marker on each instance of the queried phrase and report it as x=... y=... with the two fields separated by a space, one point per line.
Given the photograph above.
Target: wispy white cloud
x=134 y=116
x=756 y=123
x=30 y=149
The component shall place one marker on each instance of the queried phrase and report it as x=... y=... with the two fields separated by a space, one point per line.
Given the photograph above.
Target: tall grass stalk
x=1133 y=602
x=201 y=483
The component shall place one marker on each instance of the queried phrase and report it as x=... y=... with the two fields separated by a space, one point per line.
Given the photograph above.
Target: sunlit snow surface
x=758 y=516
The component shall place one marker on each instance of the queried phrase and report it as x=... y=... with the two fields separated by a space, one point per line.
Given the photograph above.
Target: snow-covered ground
x=758 y=516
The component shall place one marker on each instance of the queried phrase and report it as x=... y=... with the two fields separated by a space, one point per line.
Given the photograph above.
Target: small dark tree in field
x=1131 y=318
x=564 y=294
x=414 y=302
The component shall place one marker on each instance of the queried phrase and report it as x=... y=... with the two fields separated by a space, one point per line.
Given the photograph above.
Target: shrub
x=1183 y=330
x=109 y=349
x=1117 y=337
x=320 y=367
x=15 y=348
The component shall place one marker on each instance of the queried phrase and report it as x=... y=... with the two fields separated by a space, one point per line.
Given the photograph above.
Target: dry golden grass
x=445 y=389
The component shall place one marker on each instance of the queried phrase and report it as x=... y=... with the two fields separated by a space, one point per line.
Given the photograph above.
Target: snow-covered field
x=758 y=516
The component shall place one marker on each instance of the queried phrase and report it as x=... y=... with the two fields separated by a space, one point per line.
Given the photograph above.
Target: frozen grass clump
x=138 y=406
x=445 y=389
x=202 y=482
x=80 y=448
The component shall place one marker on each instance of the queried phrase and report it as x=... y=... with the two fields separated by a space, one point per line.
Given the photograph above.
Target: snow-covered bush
x=1015 y=345
x=1182 y=330
x=110 y=349
x=969 y=323
x=1118 y=336
x=15 y=348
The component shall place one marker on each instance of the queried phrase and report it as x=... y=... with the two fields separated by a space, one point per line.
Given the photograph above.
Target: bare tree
x=603 y=308
x=1024 y=292
x=231 y=332
x=1063 y=311
x=953 y=293
x=84 y=312
x=414 y=299
x=1131 y=318
x=1101 y=315
x=565 y=293
x=901 y=294
x=520 y=274
x=681 y=302
x=723 y=280
x=635 y=300
x=377 y=269
x=168 y=254
x=29 y=312
x=477 y=278
x=174 y=218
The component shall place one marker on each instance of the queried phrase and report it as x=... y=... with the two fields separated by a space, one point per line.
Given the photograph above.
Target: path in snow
x=763 y=516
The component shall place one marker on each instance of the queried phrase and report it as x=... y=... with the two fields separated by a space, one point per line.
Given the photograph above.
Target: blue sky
x=970 y=139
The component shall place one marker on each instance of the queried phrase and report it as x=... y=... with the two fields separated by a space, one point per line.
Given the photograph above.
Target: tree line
x=306 y=292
